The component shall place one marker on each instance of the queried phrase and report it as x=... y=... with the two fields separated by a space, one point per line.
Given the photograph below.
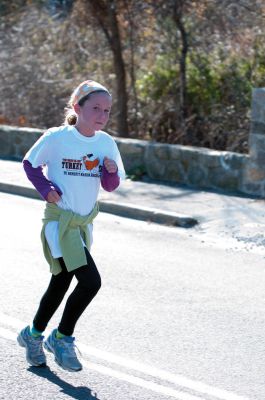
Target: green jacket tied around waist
x=72 y=227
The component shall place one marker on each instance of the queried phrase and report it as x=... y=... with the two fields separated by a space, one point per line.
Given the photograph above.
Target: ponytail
x=70 y=117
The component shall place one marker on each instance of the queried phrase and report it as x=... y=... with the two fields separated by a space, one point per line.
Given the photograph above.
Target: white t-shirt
x=73 y=162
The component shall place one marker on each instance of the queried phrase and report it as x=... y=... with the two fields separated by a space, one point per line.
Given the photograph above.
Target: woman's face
x=93 y=115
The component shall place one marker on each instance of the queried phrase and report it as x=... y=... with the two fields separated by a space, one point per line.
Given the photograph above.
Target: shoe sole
x=23 y=344
x=49 y=348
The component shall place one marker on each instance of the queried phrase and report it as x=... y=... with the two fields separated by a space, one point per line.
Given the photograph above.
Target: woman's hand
x=110 y=165
x=53 y=197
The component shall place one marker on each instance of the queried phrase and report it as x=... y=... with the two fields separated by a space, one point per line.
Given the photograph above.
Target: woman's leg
x=53 y=297
x=88 y=285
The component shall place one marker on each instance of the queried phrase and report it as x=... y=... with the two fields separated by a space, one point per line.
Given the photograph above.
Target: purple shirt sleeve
x=109 y=181
x=39 y=181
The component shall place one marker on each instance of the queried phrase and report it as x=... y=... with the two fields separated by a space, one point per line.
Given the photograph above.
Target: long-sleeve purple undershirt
x=109 y=181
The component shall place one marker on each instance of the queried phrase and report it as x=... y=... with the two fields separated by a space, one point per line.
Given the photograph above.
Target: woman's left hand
x=110 y=165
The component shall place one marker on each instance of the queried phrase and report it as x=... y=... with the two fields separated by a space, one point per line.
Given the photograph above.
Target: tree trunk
x=106 y=16
x=178 y=5
x=131 y=35
x=119 y=68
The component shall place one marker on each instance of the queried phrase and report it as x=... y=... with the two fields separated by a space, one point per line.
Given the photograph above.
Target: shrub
x=218 y=100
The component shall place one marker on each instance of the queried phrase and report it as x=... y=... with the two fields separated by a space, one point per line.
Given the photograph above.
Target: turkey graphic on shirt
x=89 y=162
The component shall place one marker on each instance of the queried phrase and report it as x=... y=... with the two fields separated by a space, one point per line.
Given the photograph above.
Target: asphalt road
x=178 y=317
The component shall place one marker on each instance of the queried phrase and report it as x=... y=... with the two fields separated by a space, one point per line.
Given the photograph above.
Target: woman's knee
x=89 y=280
x=94 y=283
x=97 y=284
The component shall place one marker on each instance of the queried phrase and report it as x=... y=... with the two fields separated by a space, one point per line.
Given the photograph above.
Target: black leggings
x=89 y=283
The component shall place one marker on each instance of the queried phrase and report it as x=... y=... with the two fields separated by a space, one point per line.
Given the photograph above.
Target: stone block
x=175 y=152
x=231 y=161
x=257 y=149
x=15 y=141
x=132 y=154
x=210 y=160
x=18 y=140
x=258 y=105
x=134 y=150
x=174 y=172
x=160 y=151
x=190 y=153
x=255 y=189
x=6 y=146
x=257 y=128
x=225 y=181
x=156 y=170
x=257 y=141
x=260 y=159
x=196 y=175
x=253 y=174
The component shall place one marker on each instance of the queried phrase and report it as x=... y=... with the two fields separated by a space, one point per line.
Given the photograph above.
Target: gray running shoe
x=64 y=352
x=34 y=351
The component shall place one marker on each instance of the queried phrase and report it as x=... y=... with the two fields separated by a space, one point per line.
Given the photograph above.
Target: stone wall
x=15 y=142
x=193 y=166
x=254 y=173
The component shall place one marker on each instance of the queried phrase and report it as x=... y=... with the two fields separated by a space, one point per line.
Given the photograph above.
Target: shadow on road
x=78 y=393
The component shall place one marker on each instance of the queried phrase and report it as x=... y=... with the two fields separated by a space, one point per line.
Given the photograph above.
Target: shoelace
x=70 y=347
x=37 y=346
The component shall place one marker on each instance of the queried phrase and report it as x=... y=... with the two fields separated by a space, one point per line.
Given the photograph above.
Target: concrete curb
x=147 y=214
x=121 y=209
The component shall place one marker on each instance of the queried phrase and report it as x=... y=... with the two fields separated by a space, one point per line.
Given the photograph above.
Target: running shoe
x=34 y=347
x=63 y=351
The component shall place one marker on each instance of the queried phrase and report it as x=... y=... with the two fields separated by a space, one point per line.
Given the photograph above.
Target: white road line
x=179 y=380
x=167 y=391
x=161 y=374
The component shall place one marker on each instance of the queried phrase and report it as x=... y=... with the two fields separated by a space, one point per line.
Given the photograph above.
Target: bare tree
x=176 y=10
x=131 y=9
x=105 y=14
x=178 y=6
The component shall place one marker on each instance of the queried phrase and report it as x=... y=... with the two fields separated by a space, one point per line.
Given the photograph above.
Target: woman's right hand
x=53 y=197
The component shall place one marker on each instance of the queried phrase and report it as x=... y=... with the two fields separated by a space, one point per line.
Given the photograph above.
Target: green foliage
x=159 y=81
x=137 y=173
x=218 y=98
x=203 y=84
x=208 y=83
x=258 y=73
x=211 y=83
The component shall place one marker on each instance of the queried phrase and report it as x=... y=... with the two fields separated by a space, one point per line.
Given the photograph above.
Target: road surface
x=177 y=317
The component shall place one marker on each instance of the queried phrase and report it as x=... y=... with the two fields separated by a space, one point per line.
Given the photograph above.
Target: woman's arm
x=39 y=181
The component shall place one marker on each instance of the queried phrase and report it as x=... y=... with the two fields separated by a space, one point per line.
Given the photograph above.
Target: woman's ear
x=77 y=108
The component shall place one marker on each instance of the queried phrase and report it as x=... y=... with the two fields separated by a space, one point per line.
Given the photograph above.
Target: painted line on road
x=178 y=380
x=154 y=387
x=161 y=374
